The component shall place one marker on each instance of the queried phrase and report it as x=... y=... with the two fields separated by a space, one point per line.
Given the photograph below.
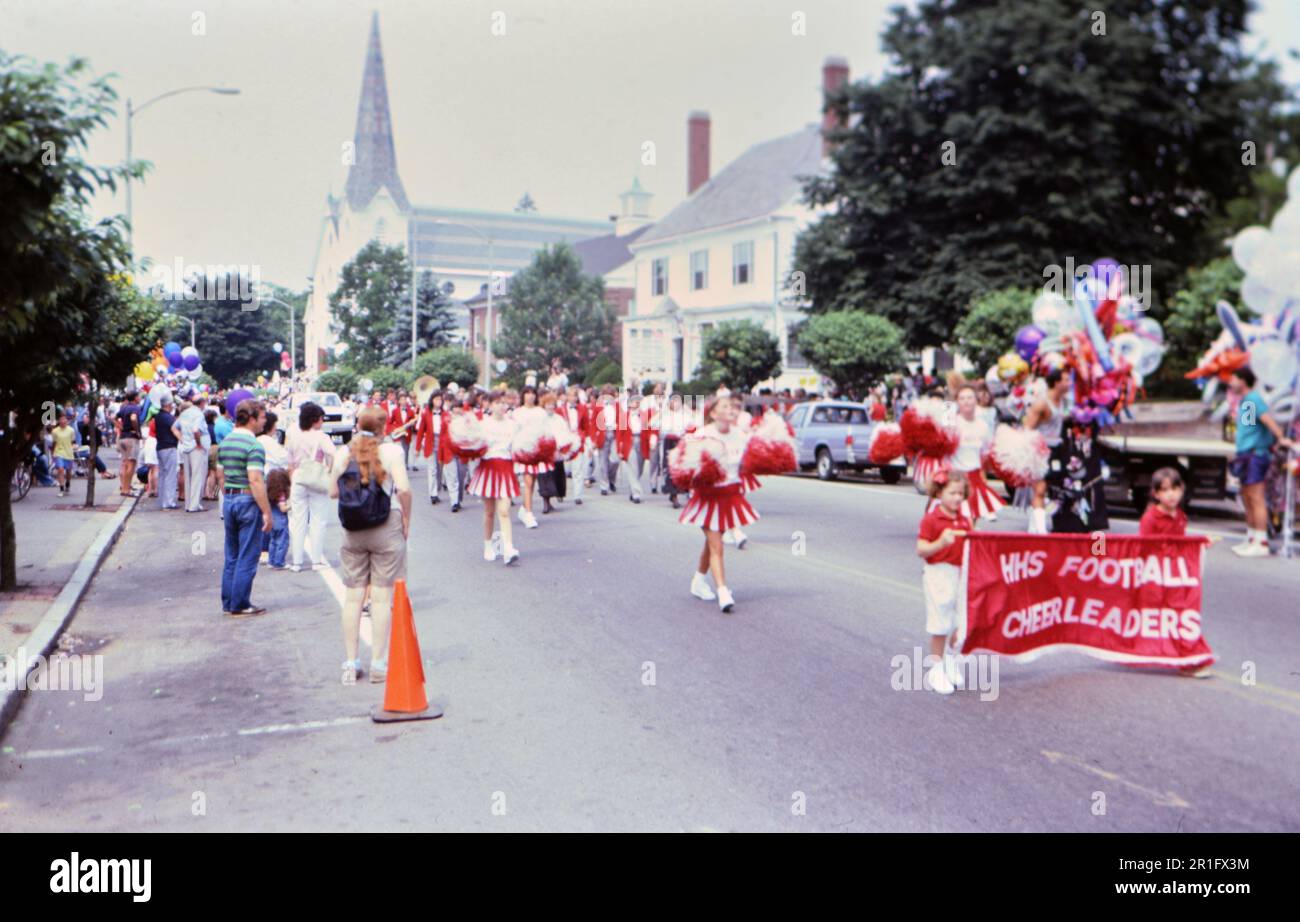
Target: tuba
x=423 y=389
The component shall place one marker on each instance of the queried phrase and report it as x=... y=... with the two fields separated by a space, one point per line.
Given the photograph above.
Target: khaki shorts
x=212 y=457
x=128 y=448
x=375 y=556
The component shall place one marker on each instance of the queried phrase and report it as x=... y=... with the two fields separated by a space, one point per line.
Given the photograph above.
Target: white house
x=725 y=253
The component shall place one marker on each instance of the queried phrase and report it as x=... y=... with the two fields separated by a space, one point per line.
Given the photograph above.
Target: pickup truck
x=833 y=435
x=1180 y=435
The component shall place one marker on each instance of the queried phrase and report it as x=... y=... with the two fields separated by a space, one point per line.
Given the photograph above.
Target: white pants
x=309 y=510
x=578 y=470
x=632 y=468
x=196 y=475
x=449 y=477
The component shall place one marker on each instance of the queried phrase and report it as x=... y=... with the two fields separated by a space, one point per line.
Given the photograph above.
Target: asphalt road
x=585 y=689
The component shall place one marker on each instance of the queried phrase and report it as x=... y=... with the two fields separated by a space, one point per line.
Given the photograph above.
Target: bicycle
x=21 y=482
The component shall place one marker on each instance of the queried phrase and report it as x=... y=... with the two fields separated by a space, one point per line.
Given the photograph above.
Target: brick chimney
x=697 y=150
x=835 y=73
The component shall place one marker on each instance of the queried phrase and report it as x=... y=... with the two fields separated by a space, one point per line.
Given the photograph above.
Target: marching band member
x=529 y=413
x=673 y=420
x=630 y=443
x=575 y=414
x=495 y=481
x=605 y=427
x=654 y=407
x=432 y=441
x=401 y=416
x=721 y=506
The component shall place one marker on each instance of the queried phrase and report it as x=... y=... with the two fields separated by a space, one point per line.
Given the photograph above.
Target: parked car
x=834 y=434
x=339 y=421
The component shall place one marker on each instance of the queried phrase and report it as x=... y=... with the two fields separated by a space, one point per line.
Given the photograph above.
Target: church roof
x=375 y=160
x=758 y=182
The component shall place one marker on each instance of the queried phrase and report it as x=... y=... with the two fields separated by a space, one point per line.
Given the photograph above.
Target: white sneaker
x=741 y=540
x=322 y=565
x=295 y=568
x=489 y=550
x=700 y=588
x=511 y=555
x=1253 y=549
x=523 y=516
x=991 y=517
x=939 y=680
x=953 y=667
x=725 y=600
x=728 y=537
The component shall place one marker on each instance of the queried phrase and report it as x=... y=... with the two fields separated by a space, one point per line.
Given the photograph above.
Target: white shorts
x=942 y=583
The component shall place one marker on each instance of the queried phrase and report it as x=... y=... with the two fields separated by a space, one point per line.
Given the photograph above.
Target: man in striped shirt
x=247 y=513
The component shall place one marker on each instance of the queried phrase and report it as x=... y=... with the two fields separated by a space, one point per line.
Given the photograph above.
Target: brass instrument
x=423 y=389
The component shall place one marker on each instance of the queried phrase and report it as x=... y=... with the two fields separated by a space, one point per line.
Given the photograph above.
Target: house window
x=742 y=263
x=794 y=358
x=699 y=270
x=659 y=276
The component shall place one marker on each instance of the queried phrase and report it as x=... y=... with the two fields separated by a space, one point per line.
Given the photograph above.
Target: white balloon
x=1286 y=223
x=1149 y=328
x=1127 y=346
x=1247 y=245
x=1278 y=267
x=1274 y=363
x=1258 y=296
x=1150 y=358
x=198 y=370
x=1053 y=314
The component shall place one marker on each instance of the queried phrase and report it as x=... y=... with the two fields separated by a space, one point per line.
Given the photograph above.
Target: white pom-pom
x=534 y=442
x=467 y=437
x=1018 y=456
x=567 y=442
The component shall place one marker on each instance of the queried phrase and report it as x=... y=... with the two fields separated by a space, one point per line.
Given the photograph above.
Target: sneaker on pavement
x=939 y=681
x=378 y=676
x=1253 y=549
x=511 y=555
x=322 y=565
x=726 y=601
x=952 y=667
x=700 y=588
x=489 y=550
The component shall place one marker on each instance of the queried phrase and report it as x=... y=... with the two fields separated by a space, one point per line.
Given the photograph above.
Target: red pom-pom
x=568 y=444
x=533 y=443
x=771 y=449
x=1018 y=457
x=466 y=434
x=697 y=462
x=886 y=444
x=925 y=431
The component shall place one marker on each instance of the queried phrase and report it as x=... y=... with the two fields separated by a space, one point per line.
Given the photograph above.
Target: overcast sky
x=559 y=106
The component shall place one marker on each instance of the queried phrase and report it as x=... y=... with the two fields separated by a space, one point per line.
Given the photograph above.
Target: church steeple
x=375 y=166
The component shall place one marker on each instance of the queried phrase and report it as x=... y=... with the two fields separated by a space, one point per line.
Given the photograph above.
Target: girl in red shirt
x=940 y=543
x=1164 y=517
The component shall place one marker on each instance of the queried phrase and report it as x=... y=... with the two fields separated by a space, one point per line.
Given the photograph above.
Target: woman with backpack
x=368 y=473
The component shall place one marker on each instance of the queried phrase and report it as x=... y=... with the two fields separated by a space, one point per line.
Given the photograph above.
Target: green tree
x=988 y=330
x=739 y=353
x=384 y=377
x=1191 y=323
x=851 y=348
x=341 y=381
x=435 y=325
x=56 y=264
x=1007 y=136
x=372 y=288
x=448 y=364
x=232 y=334
x=554 y=310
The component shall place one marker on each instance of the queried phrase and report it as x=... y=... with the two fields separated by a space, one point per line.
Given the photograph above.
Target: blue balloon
x=170 y=348
x=1083 y=301
x=234 y=399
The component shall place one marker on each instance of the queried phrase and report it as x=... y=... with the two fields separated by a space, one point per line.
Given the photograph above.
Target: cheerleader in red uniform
x=495 y=481
x=748 y=483
x=975 y=440
x=719 y=506
x=529 y=414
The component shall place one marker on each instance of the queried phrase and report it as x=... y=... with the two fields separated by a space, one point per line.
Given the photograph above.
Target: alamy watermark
x=62 y=672
x=181 y=282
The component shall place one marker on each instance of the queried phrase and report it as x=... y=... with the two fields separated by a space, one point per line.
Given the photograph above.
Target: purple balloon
x=1107 y=272
x=191 y=361
x=1027 y=340
x=234 y=399
x=175 y=359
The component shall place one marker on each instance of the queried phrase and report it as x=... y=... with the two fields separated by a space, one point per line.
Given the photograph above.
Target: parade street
x=585 y=689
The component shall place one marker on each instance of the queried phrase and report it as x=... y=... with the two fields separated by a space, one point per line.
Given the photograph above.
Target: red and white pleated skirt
x=924 y=468
x=494 y=478
x=534 y=469
x=718 y=508
x=749 y=483
x=983 y=500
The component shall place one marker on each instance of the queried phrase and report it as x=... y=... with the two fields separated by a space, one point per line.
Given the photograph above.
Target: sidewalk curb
x=43 y=639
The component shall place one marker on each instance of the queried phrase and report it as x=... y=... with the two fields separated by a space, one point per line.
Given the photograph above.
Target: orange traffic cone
x=404 y=697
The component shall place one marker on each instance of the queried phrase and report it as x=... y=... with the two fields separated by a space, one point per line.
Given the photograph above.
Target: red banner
x=1116 y=597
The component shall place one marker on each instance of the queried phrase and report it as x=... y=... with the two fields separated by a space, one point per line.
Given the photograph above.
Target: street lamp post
x=190 y=322
x=131 y=113
x=487 y=334
x=293 y=350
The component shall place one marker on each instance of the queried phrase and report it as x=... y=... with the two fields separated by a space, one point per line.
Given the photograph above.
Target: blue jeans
x=243 y=546
x=276 y=541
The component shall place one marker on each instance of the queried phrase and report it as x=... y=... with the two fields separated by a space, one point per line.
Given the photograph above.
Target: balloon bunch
x=1100 y=337
x=1270 y=343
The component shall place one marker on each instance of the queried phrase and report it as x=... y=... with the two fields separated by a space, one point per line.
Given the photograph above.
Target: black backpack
x=361 y=506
